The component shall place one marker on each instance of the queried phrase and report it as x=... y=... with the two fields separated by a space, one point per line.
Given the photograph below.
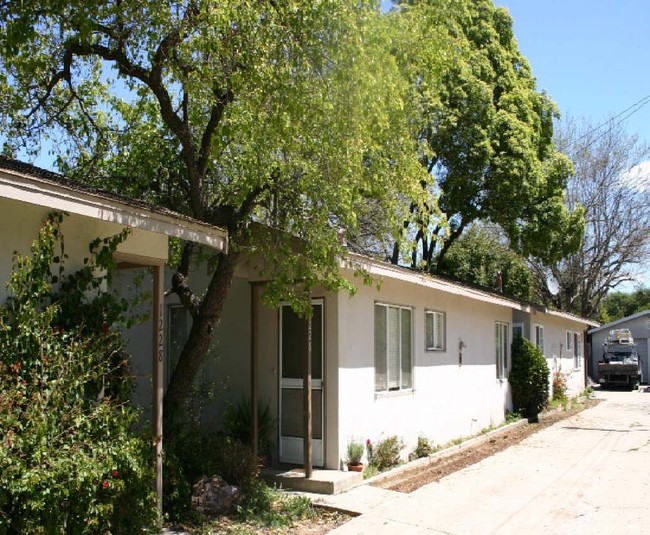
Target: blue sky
x=591 y=56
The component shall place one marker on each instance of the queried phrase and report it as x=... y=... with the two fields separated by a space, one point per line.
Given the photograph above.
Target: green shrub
x=190 y=454
x=423 y=448
x=269 y=507
x=370 y=471
x=69 y=460
x=238 y=424
x=177 y=484
x=385 y=454
x=512 y=417
x=528 y=378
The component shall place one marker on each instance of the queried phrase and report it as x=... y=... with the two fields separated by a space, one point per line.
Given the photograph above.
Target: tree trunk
x=455 y=234
x=199 y=338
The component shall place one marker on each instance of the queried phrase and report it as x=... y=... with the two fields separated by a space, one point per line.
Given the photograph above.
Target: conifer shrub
x=528 y=378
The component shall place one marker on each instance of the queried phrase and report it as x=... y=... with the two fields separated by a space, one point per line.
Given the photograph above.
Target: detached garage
x=639 y=326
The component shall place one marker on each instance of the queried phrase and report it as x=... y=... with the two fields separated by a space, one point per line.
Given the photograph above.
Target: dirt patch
x=409 y=480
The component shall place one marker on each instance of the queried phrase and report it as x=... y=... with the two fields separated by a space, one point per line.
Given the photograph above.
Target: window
x=501 y=333
x=435 y=330
x=517 y=330
x=569 y=340
x=539 y=337
x=393 y=352
x=577 y=350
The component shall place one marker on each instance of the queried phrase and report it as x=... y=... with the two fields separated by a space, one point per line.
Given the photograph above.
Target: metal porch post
x=306 y=406
x=158 y=378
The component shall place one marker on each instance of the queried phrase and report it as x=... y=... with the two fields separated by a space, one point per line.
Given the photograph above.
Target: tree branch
x=216 y=113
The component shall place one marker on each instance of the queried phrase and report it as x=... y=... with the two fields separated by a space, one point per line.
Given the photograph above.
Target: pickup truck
x=620 y=364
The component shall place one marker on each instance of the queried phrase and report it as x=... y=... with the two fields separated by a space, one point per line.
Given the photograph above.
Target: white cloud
x=638 y=177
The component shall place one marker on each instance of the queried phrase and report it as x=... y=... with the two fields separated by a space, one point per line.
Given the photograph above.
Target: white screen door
x=293 y=350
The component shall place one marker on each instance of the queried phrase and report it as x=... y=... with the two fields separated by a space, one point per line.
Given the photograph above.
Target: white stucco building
x=415 y=355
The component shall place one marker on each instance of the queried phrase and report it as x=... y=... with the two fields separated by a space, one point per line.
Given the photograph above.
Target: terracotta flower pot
x=355 y=467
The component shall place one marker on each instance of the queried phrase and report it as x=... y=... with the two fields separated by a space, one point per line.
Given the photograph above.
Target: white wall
x=448 y=400
x=21 y=222
x=557 y=356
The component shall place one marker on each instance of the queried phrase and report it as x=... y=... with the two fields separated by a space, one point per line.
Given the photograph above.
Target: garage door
x=642 y=348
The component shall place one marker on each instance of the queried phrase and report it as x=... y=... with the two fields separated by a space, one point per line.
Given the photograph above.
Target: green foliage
x=69 y=458
x=191 y=453
x=512 y=417
x=489 y=138
x=177 y=486
x=480 y=254
x=528 y=378
x=355 y=452
x=619 y=305
x=385 y=454
x=370 y=471
x=237 y=423
x=423 y=448
x=291 y=114
x=268 y=507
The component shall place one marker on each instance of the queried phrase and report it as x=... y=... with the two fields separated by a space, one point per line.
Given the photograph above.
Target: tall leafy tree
x=482 y=256
x=490 y=144
x=611 y=183
x=287 y=113
x=617 y=305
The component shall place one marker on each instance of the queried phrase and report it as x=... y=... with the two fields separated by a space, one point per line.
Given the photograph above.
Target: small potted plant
x=355 y=453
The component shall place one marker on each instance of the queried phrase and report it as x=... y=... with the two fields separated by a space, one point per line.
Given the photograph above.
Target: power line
x=634 y=108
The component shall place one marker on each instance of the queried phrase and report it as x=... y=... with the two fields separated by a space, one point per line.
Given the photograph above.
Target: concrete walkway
x=587 y=474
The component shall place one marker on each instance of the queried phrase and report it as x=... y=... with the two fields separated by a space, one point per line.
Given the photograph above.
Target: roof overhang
x=383 y=269
x=572 y=317
x=23 y=187
x=622 y=320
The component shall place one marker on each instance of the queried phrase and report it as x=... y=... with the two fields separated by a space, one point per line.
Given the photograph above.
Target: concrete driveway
x=587 y=474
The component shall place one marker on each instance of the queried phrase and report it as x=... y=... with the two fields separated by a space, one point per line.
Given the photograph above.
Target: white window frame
x=577 y=350
x=537 y=329
x=501 y=345
x=400 y=382
x=438 y=344
x=569 y=340
x=518 y=325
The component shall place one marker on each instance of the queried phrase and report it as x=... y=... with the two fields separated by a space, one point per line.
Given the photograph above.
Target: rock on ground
x=212 y=496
